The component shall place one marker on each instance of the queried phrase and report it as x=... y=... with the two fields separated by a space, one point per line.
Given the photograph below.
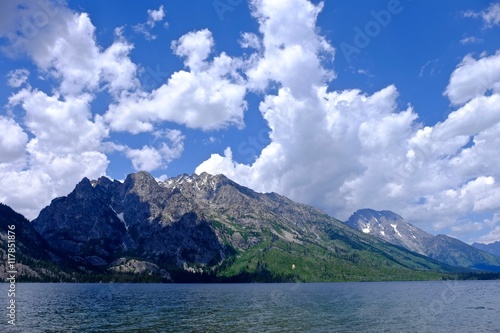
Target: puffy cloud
x=250 y=40
x=345 y=150
x=116 y=71
x=335 y=150
x=75 y=58
x=195 y=47
x=59 y=41
x=62 y=44
x=150 y=158
x=63 y=148
x=209 y=96
x=60 y=138
x=494 y=229
x=324 y=144
x=17 y=78
x=60 y=126
x=146 y=159
x=153 y=17
x=72 y=56
x=291 y=46
x=342 y=151
x=166 y=146
x=473 y=78
x=176 y=147
x=490 y=16
x=13 y=140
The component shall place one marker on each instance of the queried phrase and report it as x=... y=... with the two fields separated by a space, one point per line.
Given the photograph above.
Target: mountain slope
x=34 y=259
x=393 y=228
x=492 y=248
x=204 y=227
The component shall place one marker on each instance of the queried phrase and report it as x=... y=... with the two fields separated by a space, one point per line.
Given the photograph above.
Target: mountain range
x=492 y=248
x=394 y=229
x=201 y=228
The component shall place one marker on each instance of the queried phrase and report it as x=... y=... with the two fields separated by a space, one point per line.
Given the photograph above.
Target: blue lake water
x=444 y=306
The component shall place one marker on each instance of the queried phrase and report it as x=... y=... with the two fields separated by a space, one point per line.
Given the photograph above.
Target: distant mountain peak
x=395 y=229
x=389 y=226
x=372 y=213
x=492 y=248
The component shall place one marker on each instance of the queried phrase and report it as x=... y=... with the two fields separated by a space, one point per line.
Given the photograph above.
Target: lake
x=444 y=306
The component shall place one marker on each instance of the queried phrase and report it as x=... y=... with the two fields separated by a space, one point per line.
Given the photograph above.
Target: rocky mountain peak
x=103 y=219
x=139 y=180
x=368 y=214
x=102 y=181
x=390 y=227
x=84 y=187
x=204 y=180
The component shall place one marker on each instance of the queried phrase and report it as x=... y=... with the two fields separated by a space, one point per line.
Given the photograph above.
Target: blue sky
x=342 y=105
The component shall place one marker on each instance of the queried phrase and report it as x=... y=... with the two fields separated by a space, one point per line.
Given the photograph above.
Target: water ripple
x=466 y=306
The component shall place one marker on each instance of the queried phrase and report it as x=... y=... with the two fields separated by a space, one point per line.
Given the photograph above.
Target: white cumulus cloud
x=154 y=16
x=473 y=78
x=292 y=47
x=211 y=95
x=59 y=140
x=13 y=140
x=490 y=15
x=345 y=150
x=17 y=78
x=151 y=158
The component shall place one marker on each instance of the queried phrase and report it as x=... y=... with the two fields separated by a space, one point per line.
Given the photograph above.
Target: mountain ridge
x=210 y=225
x=393 y=228
x=492 y=248
x=207 y=228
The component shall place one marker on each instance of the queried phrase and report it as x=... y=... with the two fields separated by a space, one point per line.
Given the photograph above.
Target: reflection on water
x=445 y=306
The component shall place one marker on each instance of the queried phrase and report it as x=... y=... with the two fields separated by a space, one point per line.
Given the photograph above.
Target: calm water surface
x=445 y=306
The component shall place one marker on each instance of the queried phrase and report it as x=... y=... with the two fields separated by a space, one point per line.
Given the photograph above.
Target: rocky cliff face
x=34 y=259
x=393 y=228
x=184 y=221
x=103 y=220
x=83 y=225
x=210 y=225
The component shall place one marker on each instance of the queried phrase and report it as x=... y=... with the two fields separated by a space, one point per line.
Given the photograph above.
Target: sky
x=343 y=105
